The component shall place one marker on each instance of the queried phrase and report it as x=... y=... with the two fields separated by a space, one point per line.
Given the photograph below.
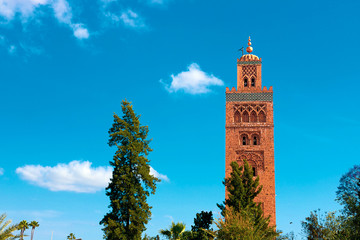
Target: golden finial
x=249 y=49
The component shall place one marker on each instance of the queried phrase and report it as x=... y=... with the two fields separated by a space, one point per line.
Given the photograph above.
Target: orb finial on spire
x=249 y=49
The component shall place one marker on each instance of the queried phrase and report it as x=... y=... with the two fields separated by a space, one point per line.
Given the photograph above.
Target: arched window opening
x=262 y=117
x=237 y=117
x=244 y=140
x=254 y=171
x=255 y=140
x=245 y=82
x=253 y=82
x=253 y=116
x=245 y=116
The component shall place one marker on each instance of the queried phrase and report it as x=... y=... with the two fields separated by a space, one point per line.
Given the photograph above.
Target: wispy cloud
x=12 y=49
x=34 y=13
x=128 y=18
x=76 y=176
x=1 y=171
x=132 y=19
x=157 y=2
x=158 y=175
x=27 y=9
x=192 y=81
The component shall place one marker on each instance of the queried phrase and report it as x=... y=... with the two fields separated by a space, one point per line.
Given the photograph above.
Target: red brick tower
x=250 y=128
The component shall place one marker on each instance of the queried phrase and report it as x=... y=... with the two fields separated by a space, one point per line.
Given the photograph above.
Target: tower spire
x=249 y=49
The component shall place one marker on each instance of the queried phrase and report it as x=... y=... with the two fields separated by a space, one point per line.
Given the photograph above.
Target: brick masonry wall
x=265 y=150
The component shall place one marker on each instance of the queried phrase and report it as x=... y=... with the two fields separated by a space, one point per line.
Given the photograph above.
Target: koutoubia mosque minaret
x=250 y=128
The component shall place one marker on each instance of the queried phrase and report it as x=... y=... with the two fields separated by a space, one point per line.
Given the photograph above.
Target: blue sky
x=66 y=65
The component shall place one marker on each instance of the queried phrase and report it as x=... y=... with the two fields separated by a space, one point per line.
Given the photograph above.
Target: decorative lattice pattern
x=249 y=70
x=249 y=97
x=257 y=108
x=249 y=113
x=255 y=159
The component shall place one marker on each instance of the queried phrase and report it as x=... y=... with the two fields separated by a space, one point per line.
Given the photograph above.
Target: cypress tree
x=243 y=217
x=242 y=189
x=131 y=182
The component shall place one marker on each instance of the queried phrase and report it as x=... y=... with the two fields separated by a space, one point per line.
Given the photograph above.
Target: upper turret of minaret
x=249 y=57
x=249 y=71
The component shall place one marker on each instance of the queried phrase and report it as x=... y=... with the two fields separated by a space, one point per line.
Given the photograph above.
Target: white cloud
x=62 y=11
x=75 y=176
x=80 y=32
x=158 y=175
x=9 y=8
x=1 y=171
x=27 y=8
x=132 y=19
x=193 y=81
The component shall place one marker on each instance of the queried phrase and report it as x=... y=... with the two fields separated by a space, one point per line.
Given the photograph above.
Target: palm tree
x=6 y=231
x=175 y=231
x=33 y=224
x=71 y=236
x=23 y=225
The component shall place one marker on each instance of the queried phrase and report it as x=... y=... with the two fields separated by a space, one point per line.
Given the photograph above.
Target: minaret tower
x=250 y=128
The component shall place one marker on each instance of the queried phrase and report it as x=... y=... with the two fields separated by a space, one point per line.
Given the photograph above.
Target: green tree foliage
x=287 y=236
x=202 y=222
x=146 y=237
x=328 y=226
x=7 y=230
x=348 y=195
x=33 y=225
x=23 y=225
x=174 y=232
x=131 y=182
x=244 y=217
x=243 y=225
x=71 y=237
x=242 y=189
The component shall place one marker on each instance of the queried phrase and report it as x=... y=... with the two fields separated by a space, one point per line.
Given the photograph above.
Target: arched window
x=253 y=82
x=253 y=117
x=244 y=139
x=254 y=171
x=255 y=140
x=245 y=82
x=262 y=117
x=237 y=117
x=245 y=116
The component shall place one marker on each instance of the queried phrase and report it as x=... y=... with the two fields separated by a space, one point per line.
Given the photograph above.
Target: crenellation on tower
x=250 y=127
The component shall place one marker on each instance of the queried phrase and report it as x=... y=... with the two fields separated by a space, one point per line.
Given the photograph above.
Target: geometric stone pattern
x=254 y=158
x=249 y=70
x=249 y=97
x=250 y=107
x=248 y=62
